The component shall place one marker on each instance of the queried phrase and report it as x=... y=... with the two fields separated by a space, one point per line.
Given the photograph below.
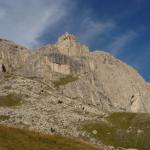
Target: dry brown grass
x=20 y=139
x=127 y=130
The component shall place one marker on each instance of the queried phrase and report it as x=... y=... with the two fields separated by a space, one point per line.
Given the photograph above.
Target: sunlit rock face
x=104 y=82
x=68 y=45
x=12 y=56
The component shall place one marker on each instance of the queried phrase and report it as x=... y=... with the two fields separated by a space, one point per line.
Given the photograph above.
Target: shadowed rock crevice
x=3 y=68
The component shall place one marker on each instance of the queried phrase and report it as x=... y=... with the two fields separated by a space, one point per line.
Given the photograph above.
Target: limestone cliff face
x=68 y=45
x=12 y=55
x=104 y=82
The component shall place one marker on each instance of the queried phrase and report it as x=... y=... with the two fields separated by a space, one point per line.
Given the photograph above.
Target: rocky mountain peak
x=67 y=44
x=62 y=85
x=103 y=81
x=67 y=37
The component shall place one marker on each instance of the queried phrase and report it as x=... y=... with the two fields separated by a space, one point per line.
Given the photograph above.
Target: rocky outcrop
x=104 y=82
x=12 y=56
x=68 y=45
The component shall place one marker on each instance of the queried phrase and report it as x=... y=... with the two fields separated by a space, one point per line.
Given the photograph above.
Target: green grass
x=10 y=100
x=21 y=139
x=127 y=130
x=7 y=87
x=7 y=75
x=3 y=117
x=64 y=80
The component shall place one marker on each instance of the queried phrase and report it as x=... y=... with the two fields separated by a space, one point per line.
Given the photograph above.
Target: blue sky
x=121 y=27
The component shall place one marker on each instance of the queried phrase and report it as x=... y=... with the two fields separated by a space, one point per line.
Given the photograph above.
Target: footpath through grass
x=20 y=139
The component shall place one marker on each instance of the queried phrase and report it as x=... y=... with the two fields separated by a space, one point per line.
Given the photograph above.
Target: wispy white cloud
x=24 y=20
x=121 y=41
x=2 y=13
x=92 y=32
x=91 y=29
x=141 y=60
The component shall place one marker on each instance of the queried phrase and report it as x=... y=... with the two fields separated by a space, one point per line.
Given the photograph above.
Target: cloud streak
x=142 y=59
x=121 y=41
x=24 y=21
x=91 y=29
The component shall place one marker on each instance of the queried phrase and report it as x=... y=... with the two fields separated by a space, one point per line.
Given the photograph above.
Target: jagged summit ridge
x=104 y=82
x=67 y=37
x=68 y=45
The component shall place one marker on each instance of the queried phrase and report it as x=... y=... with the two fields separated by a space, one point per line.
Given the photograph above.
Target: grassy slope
x=10 y=100
x=19 y=139
x=128 y=130
x=65 y=80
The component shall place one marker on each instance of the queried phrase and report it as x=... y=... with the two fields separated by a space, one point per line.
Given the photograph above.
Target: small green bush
x=3 y=117
x=65 y=80
x=10 y=100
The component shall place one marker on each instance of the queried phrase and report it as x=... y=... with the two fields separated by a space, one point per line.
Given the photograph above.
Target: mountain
x=58 y=86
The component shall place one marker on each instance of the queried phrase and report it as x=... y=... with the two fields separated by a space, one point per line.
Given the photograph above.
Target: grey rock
x=103 y=84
